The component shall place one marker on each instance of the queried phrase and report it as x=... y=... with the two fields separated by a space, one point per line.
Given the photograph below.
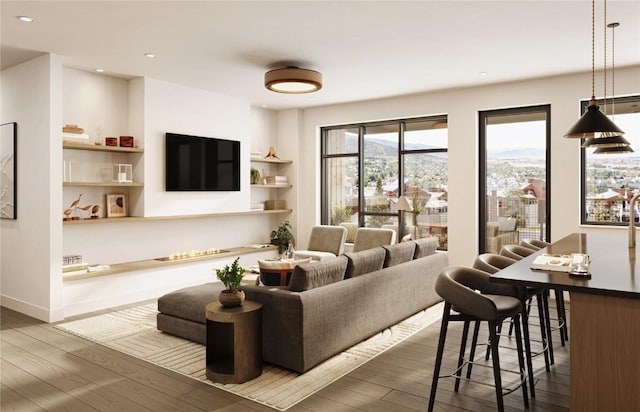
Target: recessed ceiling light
x=483 y=73
x=150 y=55
x=100 y=70
x=25 y=19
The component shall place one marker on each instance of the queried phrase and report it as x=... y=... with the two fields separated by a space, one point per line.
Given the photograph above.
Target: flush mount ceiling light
x=293 y=80
x=25 y=19
x=594 y=123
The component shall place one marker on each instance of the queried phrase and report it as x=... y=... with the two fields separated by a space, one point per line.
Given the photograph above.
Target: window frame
x=482 y=165
x=325 y=210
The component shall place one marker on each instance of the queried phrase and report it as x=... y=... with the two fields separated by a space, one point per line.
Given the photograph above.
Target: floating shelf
x=158 y=263
x=104 y=184
x=287 y=186
x=276 y=161
x=177 y=217
x=101 y=148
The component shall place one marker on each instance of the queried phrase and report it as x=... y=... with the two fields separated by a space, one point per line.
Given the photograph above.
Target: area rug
x=133 y=331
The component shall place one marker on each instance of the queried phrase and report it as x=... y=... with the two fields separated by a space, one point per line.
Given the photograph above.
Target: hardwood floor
x=45 y=369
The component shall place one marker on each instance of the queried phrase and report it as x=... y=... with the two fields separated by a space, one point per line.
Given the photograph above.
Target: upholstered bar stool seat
x=518 y=252
x=561 y=309
x=458 y=286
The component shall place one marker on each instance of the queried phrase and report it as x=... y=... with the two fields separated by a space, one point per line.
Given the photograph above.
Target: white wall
x=179 y=109
x=31 y=246
x=462 y=106
x=41 y=96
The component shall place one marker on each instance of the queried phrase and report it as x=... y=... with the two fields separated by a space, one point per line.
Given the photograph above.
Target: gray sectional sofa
x=328 y=306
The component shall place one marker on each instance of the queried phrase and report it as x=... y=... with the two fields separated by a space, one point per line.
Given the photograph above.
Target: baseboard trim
x=29 y=309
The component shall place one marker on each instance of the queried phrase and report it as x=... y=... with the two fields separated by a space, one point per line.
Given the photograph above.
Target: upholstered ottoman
x=182 y=312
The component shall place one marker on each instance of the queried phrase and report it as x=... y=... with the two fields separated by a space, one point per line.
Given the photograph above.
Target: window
x=366 y=167
x=514 y=176
x=610 y=180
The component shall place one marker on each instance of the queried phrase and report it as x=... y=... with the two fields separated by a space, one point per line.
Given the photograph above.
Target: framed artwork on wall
x=8 y=170
x=116 y=204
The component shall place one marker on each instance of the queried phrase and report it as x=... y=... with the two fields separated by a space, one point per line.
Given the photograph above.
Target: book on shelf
x=276 y=180
x=552 y=262
x=75 y=136
x=74 y=267
x=97 y=267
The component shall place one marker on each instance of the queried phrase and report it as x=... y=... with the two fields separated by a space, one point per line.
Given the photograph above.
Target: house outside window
x=609 y=181
x=366 y=167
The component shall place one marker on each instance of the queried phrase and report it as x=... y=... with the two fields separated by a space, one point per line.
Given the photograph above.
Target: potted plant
x=231 y=276
x=255 y=176
x=283 y=237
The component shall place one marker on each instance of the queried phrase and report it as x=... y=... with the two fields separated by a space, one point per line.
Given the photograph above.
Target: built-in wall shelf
x=104 y=184
x=177 y=217
x=273 y=186
x=160 y=263
x=100 y=148
x=276 y=161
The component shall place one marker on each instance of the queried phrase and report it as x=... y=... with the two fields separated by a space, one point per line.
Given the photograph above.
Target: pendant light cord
x=604 y=15
x=593 y=51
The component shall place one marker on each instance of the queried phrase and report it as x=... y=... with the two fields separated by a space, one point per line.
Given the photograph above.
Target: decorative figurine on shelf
x=94 y=212
x=231 y=277
x=72 y=208
x=85 y=208
x=271 y=154
x=67 y=214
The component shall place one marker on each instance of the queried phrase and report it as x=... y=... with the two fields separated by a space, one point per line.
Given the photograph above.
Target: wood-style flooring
x=45 y=369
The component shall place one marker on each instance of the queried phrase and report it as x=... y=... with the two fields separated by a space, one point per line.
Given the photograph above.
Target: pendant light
x=593 y=123
x=614 y=144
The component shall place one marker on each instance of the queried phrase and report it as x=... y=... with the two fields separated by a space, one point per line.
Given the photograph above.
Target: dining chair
x=458 y=286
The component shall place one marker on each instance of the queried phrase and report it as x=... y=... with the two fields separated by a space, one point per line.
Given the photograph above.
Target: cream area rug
x=133 y=331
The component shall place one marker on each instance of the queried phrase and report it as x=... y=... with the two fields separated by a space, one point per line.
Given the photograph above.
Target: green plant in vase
x=283 y=237
x=231 y=276
x=255 y=176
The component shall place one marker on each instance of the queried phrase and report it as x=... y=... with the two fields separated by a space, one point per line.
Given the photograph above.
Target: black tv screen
x=196 y=163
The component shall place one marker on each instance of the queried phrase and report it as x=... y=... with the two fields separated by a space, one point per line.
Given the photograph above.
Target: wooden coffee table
x=234 y=342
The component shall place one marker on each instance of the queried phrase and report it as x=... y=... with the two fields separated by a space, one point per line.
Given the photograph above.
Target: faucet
x=632 y=221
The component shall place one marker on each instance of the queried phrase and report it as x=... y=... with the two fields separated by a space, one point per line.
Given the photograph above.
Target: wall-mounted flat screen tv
x=196 y=163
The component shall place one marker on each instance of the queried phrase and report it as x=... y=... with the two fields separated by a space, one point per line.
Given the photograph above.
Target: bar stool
x=492 y=263
x=563 y=325
x=458 y=286
x=518 y=252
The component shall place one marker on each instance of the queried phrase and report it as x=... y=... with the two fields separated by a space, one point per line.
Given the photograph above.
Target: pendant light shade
x=593 y=124
x=613 y=141
x=293 y=80
x=613 y=150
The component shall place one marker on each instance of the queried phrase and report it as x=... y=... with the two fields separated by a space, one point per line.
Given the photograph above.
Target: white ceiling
x=365 y=49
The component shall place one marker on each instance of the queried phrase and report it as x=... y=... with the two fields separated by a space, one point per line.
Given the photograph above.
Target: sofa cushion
x=398 y=253
x=425 y=247
x=365 y=261
x=189 y=303
x=312 y=275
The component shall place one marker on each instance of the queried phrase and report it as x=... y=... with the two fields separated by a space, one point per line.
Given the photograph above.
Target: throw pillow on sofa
x=364 y=261
x=425 y=247
x=315 y=274
x=398 y=253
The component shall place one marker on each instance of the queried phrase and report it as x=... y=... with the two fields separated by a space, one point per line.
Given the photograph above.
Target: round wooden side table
x=234 y=342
